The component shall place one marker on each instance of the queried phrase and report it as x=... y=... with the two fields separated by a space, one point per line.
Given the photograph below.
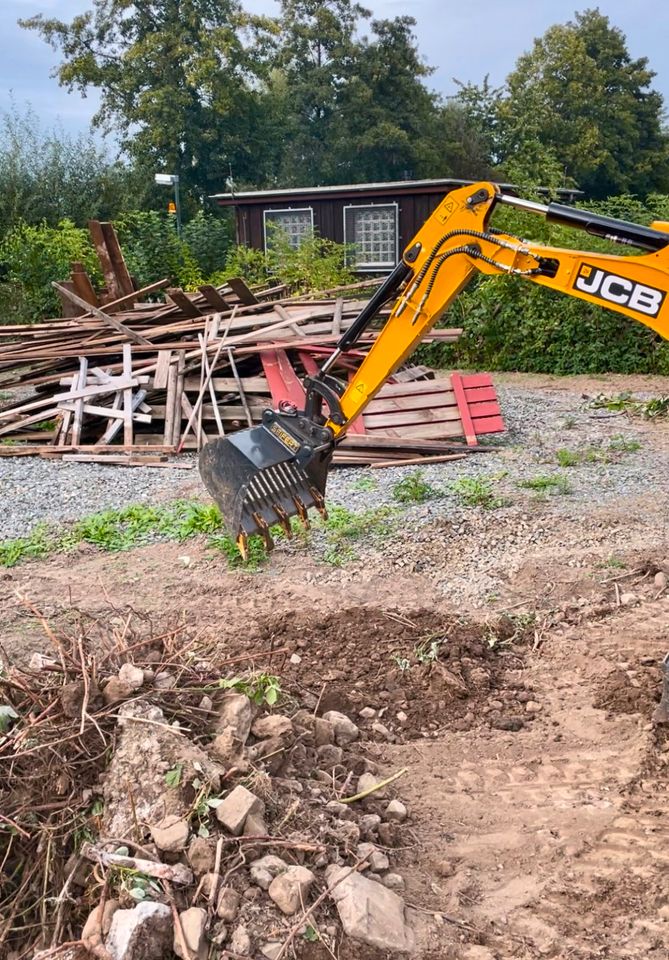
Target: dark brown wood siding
x=413 y=210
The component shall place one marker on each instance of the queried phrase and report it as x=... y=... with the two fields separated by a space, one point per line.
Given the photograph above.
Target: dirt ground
x=537 y=783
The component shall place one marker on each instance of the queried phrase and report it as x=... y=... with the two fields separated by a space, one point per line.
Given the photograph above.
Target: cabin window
x=371 y=233
x=296 y=224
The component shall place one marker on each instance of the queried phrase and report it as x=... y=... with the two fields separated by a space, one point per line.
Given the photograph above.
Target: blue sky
x=463 y=40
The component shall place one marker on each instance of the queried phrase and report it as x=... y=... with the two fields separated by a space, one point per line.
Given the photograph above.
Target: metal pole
x=177 y=201
x=521 y=204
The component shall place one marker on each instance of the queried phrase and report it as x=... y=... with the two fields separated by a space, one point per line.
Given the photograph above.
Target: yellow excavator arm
x=265 y=475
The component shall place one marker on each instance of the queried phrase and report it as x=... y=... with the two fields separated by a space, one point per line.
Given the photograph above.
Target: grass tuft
x=477 y=492
x=414 y=489
x=551 y=483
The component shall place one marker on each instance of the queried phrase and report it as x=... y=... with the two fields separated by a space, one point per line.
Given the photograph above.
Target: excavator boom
x=267 y=474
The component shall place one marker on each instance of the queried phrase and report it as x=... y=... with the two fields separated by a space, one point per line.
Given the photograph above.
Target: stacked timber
x=121 y=378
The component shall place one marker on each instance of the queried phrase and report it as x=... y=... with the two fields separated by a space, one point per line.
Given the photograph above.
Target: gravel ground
x=36 y=490
x=539 y=421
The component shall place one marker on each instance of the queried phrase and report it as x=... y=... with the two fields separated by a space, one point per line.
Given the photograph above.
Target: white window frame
x=309 y=210
x=351 y=259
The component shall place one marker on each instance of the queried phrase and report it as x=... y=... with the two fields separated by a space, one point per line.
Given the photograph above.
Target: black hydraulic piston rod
x=608 y=228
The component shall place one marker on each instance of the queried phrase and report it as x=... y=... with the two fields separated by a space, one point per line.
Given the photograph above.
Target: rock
x=329 y=755
x=346 y=831
x=171 y=834
x=164 y=680
x=201 y=856
x=266 y=869
x=402 y=717
x=240 y=942
x=255 y=826
x=381 y=730
x=227 y=748
x=366 y=781
x=394 y=882
x=236 y=713
x=532 y=707
x=369 y=825
x=660 y=580
x=72 y=697
x=99 y=922
x=445 y=868
x=233 y=810
x=378 y=861
x=290 y=889
x=272 y=725
x=345 y=731
x=193 y=925
x=116 y=690
x=134 y=787
x=271 y=949
x=340 y=810
x=514 y=724
x=367 y=713
x=132 y=675
x=627 y=599
x=324 y=732
x=143 y=933
x=206 y=703
x=396 y=811
x=227 y=905
x=295 y=658
x=369 y=912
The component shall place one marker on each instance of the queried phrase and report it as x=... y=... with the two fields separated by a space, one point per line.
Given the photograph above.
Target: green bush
x=209 y=238
x=153 y=250
x=33 y=256
x=317 y=264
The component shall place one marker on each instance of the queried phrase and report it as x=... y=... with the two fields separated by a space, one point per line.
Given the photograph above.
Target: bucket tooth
x=319 y=502
x=263 y=529
x=243 y=545
x=284 y=520
x=302 y=512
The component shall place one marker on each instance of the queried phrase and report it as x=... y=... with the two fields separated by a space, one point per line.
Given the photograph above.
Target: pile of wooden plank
x=120 y=378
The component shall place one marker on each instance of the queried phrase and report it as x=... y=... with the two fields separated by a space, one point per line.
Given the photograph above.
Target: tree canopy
x=322 y=93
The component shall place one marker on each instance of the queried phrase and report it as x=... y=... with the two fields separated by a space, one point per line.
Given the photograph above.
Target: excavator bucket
x=267 y=474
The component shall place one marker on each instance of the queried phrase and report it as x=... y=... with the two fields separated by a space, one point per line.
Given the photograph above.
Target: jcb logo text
x=615 y=289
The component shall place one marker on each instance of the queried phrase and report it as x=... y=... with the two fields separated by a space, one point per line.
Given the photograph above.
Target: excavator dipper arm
x=265 y=475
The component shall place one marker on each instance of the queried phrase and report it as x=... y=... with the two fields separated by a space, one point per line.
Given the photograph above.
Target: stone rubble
x=245 y=911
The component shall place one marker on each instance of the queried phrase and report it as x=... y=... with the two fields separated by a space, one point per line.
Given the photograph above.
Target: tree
x=388 y=118
x=177 y=78
x=46 y=175
x=583 y=98
x=316 y=56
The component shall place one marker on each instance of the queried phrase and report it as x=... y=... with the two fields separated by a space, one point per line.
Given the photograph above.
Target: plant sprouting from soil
x=259 y=687
x=477 y=492
x=555 y=483
x=414 y=489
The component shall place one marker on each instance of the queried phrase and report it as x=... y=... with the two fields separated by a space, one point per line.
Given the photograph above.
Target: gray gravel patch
x=36 y=491
x=539 y=422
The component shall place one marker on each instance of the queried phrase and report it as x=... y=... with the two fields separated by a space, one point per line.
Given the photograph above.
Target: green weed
x=622 y=444
x=567 y=458
x=626 y=403
x=344 y=527
x=551 y=483
x=259 y=687
x=414 y=489
x=37 y=544
x=365 y=485
x=476 y=492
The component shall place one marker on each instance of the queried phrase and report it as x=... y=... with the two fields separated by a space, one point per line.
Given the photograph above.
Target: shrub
x=33 y=256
